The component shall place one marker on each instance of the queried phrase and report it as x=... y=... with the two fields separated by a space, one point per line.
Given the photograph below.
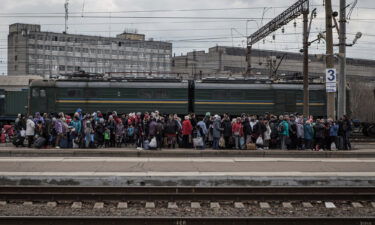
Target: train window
x=35 y=92
x=43 y=93
x=147 y=94
x=160 y=93
x=118 y=93
x=90 y=93
x=220 y=94
x=71 y=93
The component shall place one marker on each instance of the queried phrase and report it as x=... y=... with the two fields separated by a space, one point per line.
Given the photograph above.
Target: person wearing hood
x=30 y=131
x=202 y=131
x=216 y=132
x=187 y=130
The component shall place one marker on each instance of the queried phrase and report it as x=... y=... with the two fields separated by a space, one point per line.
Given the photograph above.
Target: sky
x=184 y=23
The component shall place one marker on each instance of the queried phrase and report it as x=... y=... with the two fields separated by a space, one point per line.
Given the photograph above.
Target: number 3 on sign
x=331 y=76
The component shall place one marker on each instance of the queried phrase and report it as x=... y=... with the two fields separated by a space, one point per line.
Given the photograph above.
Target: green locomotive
x=173 y=96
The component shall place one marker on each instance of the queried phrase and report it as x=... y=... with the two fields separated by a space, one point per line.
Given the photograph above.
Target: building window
x=62 y=68
x=15 y=67
x=54 y=38
x=15 y=58
x=61 y=48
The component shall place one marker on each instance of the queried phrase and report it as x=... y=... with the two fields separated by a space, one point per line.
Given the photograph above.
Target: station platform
x=360 y=150
x=188 y=171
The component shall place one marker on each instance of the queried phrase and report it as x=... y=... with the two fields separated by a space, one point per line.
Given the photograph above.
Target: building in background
x=35 y=52
x=221 y=61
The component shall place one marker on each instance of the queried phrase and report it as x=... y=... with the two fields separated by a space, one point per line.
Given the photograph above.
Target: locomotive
x=233 y=96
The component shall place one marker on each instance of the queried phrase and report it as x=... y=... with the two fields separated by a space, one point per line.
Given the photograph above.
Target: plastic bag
x=222 y=142
x=198 y=142
x=333 y=146
x=259 y=141
x=153 y=143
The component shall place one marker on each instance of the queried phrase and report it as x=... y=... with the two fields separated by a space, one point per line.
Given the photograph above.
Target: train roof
x=106 y=84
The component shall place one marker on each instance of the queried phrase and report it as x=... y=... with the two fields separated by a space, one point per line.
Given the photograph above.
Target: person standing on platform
x=30 y=131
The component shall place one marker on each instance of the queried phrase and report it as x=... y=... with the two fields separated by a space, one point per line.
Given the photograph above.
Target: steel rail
x=185 y=221
x=38 y=193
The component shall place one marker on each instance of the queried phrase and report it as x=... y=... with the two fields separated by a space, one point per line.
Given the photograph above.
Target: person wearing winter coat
x=267 y=135
x=300 y=134
x=319 y=135
x=237 y=130
x=333 y=134
x=119 y=133
x=216 y=132
x=283 y=129
x=187 y=129
x=30 y=131
x=308 y=132
x=202 y=132
x=227 y=132
x=171 y=130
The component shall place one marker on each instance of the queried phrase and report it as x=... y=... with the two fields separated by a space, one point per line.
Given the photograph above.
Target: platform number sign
x=331 y=80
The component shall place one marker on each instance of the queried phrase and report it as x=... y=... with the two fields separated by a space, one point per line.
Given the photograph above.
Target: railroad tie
x=357 y=205
x=287 y=205
x=76 y=205
x=239 y=205
x=307 y=205
x=3 y=203
x=329 y=205
x=172 y=205
x=195 y=205
x=99 y=205
x=27 y=203
x=122 y=205
x=214 y=205
x=264 y=205
x=51 y=204
x=150 y=205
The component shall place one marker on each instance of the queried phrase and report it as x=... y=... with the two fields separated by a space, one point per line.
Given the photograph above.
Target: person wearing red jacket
x=237 y=131
x=187 y=129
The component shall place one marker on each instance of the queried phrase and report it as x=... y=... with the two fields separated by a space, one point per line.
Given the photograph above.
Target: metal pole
x=342 y=52
x=331 y=108
x=306 y=103
x=248 y=60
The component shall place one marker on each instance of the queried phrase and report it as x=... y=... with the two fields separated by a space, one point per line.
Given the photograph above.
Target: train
x=217 y=96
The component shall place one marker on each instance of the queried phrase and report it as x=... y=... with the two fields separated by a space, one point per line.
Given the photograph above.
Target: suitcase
x=251 y=146
x=39 y=142
x=64 y=142
x=18 y=141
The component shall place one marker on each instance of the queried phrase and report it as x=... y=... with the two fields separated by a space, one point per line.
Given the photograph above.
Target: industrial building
x=231 y=61
x=35 y=52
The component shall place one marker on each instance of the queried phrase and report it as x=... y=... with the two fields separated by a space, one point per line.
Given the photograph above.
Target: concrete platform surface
x=364 y=150
x=230 y=171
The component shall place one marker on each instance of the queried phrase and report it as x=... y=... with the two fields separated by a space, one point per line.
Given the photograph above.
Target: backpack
x=130 y=131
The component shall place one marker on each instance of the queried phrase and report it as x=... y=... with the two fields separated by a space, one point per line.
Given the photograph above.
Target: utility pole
x=306 y=97
x=331 y=108
x=342 y=53
x=66 y=5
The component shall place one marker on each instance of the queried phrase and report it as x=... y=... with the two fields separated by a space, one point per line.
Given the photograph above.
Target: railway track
x=37 y=194
x=182 y=221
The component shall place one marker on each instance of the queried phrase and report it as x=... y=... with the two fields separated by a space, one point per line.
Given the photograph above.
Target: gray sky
x=101 y=17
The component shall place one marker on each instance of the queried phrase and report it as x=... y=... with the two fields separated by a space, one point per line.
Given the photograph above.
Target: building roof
x=11 y=81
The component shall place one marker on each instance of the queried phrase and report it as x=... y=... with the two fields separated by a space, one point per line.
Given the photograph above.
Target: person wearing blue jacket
x=333 y=134
x=308 y=135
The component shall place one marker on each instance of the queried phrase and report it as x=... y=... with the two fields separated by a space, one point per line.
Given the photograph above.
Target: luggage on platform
x=64 y=142
x=18 y=140
x=251 y=146
x=146 y=144
x=198 y=142
x=40 y=142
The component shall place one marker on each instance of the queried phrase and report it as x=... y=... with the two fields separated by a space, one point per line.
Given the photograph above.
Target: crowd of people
x=156 y=131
